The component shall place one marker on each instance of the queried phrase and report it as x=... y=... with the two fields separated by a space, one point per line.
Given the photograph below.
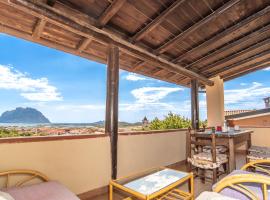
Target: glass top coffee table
x=155 y=184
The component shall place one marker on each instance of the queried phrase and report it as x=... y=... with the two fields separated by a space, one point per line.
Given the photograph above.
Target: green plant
x=13 y=133
x=172 y=121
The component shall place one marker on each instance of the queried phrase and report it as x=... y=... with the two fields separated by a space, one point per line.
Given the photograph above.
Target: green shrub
x=172 y=121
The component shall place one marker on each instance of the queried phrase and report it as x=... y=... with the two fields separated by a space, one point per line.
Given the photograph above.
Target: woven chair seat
x=204 y=160
x=219 y=149
x=258 y=149
x=258 y=156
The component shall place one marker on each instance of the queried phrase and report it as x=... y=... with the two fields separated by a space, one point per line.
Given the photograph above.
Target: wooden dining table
x=232 y=140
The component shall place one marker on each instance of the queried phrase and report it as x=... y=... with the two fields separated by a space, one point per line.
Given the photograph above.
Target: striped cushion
x=258 y=156
x=258 y=149
x=219 y=149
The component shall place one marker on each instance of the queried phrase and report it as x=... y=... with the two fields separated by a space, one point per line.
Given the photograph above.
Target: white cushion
x=213 y=196
x=5 y=196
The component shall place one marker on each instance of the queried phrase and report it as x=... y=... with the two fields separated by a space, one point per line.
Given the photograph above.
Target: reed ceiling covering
x=171 y=40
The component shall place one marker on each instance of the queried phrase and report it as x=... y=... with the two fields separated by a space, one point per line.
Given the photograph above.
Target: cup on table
x=236 y=128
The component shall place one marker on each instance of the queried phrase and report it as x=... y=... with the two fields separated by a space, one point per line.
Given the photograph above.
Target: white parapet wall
x=81 y=164
x=145 y=151
x=261 y=136
x=85 y=164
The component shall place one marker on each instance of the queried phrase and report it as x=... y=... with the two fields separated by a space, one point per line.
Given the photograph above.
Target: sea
x=53 y=125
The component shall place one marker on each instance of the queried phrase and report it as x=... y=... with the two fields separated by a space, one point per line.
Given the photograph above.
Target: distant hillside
x=24 y=115
x=120 y=124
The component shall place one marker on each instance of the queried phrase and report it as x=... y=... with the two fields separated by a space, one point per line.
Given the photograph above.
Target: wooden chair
x=199 y=161
x=26 y=175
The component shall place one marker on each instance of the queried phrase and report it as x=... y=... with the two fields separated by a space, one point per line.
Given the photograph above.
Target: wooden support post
x=111 y=123
x=194 y=104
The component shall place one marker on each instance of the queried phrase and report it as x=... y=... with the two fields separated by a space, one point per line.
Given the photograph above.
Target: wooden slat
x=138 y=65
x=231 y=45
x=115 y=6
x=159 y=19
x=247 y=69
x=223 y=34
x=83 y=44
x=237 y=64
x=86 y=29
x=158 y=72
x=51 y=2
x=235 y=55
x=39 y=28
x=197 y=25
x=19 y=34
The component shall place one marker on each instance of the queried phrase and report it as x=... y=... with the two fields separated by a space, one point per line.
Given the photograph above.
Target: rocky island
x=24 y=115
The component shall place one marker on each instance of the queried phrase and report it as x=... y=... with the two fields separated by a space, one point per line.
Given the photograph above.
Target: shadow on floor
x=198 y=185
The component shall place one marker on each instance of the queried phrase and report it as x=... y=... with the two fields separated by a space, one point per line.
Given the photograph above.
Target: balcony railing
x=83 y=163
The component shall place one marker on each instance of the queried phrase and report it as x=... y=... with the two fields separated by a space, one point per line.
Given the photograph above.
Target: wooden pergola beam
x=196 y=26
x=39 y=27
x=115 y=6
x=159 y=19
x=221 y=35
x=84 y=44
x=237 y=64
x=88 y=28
x=247 y=70
x=238 y=54
x=19 y=34
x=231 y=45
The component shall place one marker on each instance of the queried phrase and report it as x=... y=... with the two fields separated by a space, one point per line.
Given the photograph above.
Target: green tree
x=172 y=121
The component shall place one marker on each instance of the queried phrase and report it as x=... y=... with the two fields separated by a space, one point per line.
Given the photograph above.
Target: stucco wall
x=79 y=164
x=84 y=164
x=261 y=121
x=260 y=137
x=140 y=152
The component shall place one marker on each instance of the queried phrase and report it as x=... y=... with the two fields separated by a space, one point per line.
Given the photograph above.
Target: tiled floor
x=198 y=185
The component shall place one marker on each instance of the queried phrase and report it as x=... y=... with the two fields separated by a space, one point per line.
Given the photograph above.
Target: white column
x=215 y=103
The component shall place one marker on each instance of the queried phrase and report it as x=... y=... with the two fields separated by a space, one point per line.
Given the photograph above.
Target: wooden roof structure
x=171 y=40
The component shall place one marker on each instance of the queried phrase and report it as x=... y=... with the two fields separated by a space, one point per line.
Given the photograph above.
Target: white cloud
x=148 y=103
x=267 y=69
x=29 y=88
x=134 y=77
x=146 y=107
x=249 y=95
x=152 y=94
x=80 y=107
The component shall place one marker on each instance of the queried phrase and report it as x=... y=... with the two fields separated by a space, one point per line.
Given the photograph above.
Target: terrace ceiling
x=171 y=40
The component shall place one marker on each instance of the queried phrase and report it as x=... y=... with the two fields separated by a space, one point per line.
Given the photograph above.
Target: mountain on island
x=120 y=124
x=24 y=115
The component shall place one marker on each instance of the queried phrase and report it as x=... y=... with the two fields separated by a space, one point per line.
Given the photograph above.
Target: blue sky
x=68 y=88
